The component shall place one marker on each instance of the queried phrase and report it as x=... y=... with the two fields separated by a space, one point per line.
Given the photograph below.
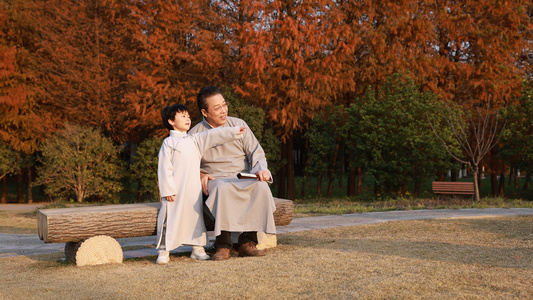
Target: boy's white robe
x=179 y=174
x=238 y=205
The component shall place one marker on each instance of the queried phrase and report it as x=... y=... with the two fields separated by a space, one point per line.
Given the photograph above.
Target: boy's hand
x=242 y=130
x=171 y=198
x=204 y=178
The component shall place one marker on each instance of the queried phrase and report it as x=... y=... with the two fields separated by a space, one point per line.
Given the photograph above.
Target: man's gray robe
x=238 y=205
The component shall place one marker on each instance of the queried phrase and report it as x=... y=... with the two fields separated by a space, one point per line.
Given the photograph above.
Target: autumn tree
x=481 y=49
x=87 y=55
x=181 y=51
x=287 y=64
x=24 y=116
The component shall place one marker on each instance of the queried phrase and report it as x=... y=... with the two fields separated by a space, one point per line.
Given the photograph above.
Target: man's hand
x=242 y=129
x=263 y=175
x=170 y=198
x=204 y=178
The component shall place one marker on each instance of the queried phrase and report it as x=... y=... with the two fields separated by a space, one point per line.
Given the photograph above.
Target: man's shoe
x=249 y=249
x=222 y=254
x=163 y=257
x=198 y=252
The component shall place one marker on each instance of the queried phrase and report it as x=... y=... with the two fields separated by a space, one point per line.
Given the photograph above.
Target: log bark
x=284 y=212
x=62 y=225
x=75 y=224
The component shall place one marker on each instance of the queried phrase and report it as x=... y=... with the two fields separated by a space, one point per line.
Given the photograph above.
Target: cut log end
x=98 y=250
x=267 y=241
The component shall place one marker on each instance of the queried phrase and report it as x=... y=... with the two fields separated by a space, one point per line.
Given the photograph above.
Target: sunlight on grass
x=334 y=206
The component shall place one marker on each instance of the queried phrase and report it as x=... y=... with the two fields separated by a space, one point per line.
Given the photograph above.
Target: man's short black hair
x=204 y=94
x=169 y=112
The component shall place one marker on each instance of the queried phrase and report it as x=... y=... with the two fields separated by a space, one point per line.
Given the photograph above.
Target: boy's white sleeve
x=165 y=171
x=208 y=139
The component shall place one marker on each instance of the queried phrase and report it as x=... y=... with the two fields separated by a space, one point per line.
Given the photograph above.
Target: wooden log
x=62 y=225
x=284 y=212
x=268 y=241
x=99 y=250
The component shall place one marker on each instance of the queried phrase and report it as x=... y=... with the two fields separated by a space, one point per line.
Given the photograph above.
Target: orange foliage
x=115 y=64
x=23 y=124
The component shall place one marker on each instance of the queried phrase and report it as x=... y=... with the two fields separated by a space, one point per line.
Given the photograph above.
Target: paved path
x=30 y=244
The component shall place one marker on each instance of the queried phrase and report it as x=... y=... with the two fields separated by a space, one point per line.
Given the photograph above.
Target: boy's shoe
x=163 y=257
x=198 y=252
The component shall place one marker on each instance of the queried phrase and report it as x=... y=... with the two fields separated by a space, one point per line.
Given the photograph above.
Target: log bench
x=90 y=232
x=452 y=188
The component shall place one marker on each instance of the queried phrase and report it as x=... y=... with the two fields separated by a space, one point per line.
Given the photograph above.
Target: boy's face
x=181 y=122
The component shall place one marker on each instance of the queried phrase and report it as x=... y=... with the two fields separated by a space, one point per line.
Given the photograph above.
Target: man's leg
x=223 y=245
x=209 y=219
x=248 y=242
x=248 y=236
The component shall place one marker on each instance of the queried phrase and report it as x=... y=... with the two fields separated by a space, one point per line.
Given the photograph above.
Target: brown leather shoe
x=222 y=254
x=249 y=249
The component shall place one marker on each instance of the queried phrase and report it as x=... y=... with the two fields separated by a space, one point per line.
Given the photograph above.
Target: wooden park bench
x=90 y=232
x=453 y=188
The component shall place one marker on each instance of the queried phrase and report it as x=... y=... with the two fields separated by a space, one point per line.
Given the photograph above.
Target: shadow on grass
x=490 y=242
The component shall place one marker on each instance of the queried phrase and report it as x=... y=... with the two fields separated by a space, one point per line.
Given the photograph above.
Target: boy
x=180 y=220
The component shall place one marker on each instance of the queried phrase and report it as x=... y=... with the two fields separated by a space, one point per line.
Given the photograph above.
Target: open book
x=243 y=175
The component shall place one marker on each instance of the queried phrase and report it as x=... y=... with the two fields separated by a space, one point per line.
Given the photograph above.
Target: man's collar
x=208 y=123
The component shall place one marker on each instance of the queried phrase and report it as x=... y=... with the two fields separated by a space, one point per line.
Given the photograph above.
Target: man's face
x=217 y=110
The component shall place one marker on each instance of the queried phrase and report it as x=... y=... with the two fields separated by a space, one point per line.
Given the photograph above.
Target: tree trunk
x=139 y=194
x=377 y=189
x=304 y=173
x=360 y=177
x=418 y=185
x=341 y=162
x=4 y=190
x=479 y=176
x=453 y=176
x=280 y=182
x=501 y=187
x=476 y=183
x=526 y=181
x=352 y=183
x=291 y=187
x=30 y=179
x=493 y=183
x=319 y=185
x=20 y=186
x=332 y=169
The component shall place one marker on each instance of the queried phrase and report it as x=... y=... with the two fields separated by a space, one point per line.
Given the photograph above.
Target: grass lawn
x=460 y=258
x=465 y=258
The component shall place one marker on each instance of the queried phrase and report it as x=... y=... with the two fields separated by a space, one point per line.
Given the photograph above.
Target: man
x=245 y=206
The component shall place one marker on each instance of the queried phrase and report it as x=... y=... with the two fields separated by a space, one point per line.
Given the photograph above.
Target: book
x=243 y=175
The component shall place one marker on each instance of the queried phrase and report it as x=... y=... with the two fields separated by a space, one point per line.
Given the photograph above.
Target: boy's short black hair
x=205 y=93
x=169 y=112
